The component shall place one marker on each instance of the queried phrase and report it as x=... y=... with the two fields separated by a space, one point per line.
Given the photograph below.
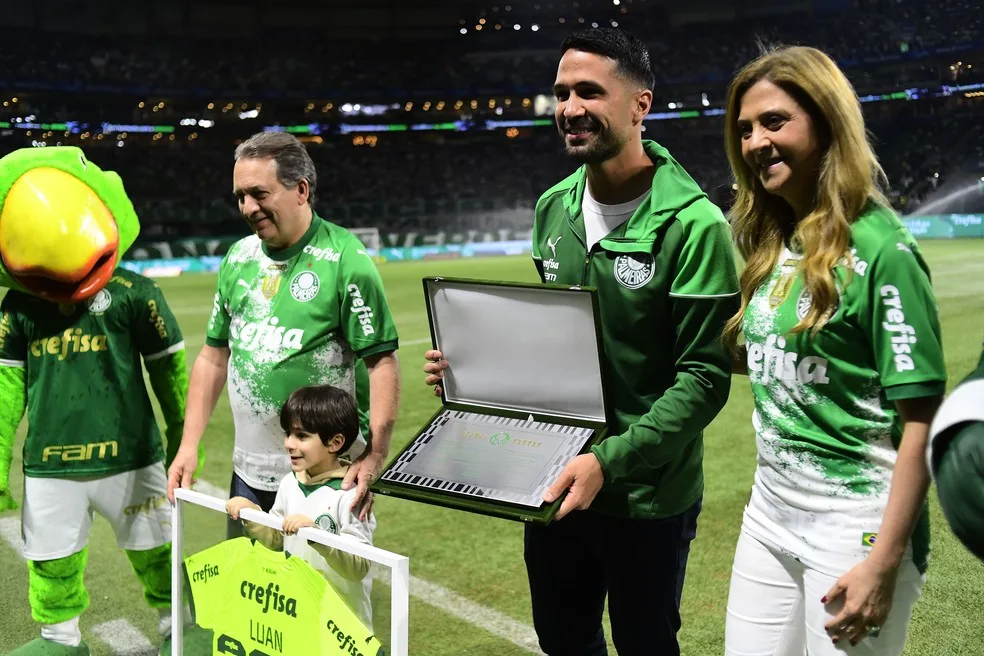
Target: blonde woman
x=841 y=344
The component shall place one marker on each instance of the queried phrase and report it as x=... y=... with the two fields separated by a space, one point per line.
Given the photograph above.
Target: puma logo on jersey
x=905 y=335
x=772 y=362
x=361 y=310
x=553 y=244
x=267 y=334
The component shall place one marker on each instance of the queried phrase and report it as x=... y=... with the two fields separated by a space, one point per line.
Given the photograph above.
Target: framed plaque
x=522 y=397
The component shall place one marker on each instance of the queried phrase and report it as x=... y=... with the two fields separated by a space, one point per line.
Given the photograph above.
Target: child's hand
x=235 y=504
x=293 y=523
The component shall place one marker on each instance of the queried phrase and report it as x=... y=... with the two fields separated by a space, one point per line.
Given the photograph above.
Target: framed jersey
x=522 y=397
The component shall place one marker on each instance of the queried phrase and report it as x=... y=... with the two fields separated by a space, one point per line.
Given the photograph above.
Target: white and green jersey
x=327 y=505
x=825 y=417
x=302 y=316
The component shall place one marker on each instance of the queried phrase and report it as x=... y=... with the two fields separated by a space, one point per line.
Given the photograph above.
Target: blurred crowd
x=183 y=188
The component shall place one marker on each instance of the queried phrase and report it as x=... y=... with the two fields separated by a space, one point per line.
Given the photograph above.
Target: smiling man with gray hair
x=298 y=303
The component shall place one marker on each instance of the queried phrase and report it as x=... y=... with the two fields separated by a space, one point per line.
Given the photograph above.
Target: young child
x=319 y=422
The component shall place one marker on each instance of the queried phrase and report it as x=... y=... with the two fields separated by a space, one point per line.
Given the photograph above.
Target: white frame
x=399 y=565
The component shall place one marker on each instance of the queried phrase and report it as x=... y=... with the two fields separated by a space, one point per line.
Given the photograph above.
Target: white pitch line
x=10 y=530
x=124 y=639
x=210 y=489
x=496 y=623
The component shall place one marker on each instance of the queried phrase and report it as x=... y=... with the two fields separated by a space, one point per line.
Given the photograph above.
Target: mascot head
x=64 y=223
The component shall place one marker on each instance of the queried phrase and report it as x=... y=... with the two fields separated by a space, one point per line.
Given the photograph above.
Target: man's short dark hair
x=322 y=409
x=629 y=52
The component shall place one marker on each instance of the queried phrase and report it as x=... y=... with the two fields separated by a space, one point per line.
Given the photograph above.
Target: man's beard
x=601 y=145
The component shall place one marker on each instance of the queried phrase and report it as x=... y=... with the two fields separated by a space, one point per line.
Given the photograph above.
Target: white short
x=58 y=512
x=774 y=607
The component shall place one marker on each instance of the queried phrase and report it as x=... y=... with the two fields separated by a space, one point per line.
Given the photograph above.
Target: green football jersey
x=262 y=602
x=84 y=360
x=303 y=316
x=825 y=416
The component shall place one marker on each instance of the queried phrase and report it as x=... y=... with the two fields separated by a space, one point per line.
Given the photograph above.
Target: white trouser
x=774 y=607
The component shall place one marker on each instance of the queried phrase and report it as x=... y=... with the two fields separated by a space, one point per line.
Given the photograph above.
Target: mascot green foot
x=197 y=642
x=58 y=597
x=42 y=647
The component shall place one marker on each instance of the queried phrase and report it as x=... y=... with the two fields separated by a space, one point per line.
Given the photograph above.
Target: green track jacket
x=666 y=285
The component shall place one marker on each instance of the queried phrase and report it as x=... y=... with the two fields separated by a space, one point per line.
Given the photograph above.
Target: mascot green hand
x=74 y=329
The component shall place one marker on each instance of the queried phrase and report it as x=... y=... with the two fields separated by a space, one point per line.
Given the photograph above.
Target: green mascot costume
x=956 y=458
x=74 y=329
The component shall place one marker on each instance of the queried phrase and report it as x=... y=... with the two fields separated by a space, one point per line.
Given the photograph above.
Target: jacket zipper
x=587 y=255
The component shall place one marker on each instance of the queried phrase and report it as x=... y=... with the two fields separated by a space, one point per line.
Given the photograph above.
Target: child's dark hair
x=322 y=409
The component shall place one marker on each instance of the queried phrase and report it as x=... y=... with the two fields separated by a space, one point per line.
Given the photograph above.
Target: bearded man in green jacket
x=632 y=223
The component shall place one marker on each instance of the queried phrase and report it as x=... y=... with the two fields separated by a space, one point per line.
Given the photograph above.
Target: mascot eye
x=82 y=160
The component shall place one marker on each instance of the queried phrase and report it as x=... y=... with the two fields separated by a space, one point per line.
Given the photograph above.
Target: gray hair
x=293 y=161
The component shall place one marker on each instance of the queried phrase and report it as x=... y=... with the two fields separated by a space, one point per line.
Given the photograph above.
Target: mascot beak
x=57 y=237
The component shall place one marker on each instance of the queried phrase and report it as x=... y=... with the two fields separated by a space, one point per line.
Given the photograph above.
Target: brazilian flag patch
x=868 y=539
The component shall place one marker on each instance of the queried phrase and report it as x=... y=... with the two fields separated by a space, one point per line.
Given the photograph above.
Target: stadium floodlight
x=398 y=565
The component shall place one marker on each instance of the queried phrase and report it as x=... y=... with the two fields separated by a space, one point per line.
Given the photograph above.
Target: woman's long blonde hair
x=848 y=178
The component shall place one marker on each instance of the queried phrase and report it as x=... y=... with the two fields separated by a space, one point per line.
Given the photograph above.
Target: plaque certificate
x=522 y=397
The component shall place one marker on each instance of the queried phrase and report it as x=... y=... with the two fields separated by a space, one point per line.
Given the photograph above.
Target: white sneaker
x=64 y=633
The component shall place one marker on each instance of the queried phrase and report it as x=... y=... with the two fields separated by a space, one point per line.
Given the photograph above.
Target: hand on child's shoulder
x=346 y=507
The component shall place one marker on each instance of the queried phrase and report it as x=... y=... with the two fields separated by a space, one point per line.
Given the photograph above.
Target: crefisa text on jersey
x=346 y=643
x=268 y=598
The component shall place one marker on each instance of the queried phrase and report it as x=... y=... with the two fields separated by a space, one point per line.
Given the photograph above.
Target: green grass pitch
x=480 y=558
